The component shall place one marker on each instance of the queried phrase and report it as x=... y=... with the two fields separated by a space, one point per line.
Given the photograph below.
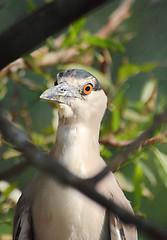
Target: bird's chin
x=65 y=110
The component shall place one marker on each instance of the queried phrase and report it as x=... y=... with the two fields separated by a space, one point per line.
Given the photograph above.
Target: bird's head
x=78 y=95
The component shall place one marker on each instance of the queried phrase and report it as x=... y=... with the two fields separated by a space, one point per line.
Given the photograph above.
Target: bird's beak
x=62 y=93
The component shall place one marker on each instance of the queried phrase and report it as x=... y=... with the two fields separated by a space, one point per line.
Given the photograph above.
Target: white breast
x=66 y=215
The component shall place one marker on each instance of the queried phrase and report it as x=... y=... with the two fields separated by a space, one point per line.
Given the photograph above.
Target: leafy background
x=131 y=65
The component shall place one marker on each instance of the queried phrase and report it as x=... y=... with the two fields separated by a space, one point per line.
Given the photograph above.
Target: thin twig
x=113 y=142
x=157 y=139
x=120 y=14
x=39 y=159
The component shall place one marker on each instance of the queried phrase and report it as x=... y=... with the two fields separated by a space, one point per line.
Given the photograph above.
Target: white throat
x=77 y=146
x=73 y=149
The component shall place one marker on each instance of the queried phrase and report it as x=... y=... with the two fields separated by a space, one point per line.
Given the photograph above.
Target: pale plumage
x=49 y=210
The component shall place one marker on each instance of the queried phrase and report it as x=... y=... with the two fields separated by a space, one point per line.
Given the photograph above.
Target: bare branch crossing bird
x=48 y=210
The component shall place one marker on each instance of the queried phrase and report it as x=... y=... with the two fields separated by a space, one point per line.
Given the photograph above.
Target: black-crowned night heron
x=48 y=210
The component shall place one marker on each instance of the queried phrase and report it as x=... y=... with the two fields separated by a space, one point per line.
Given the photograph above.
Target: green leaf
x=125 y=183
x=116 y=113
x=134 y=116
x=74 y=31
x=138 y=188
x=148 y=90
x=78 y=25
x=6 y=189
x=50 y=43
x=148 y=173
x=161 y=162
x=31 y=61
x=11 y=153
x=48 y=1
x=3 y=89
x=128 y=70
x=105 y=152
x=106 y=127
x=39 y=140
x=31 y=6
x=116 y=121
x=105 y=43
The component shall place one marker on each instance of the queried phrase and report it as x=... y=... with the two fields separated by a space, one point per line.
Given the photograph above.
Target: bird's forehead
x=75 y=73
x=76 y=82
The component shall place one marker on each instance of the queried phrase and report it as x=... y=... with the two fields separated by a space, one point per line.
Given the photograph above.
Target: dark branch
x=39 y=159
x=35 y=28
x=157 y=139
x=112 y=141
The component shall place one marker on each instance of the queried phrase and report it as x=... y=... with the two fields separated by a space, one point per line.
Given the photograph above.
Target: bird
x=48 y=210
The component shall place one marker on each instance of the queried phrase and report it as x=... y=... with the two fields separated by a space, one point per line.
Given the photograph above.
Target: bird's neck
x=77 y=147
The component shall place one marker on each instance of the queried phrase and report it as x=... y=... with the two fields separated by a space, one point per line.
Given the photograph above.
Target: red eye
x=87 y=88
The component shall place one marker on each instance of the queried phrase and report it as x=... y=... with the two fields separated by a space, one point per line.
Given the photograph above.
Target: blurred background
x=124 y=44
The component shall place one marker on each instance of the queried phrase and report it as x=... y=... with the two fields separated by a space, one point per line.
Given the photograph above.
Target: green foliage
x=130 y=69
x=84 y=39
x=31 y=6
x=148 y=90
x=3 y=88
x=147 y=172
x=138 y=180
x=6 y=206
x=161 y=163
x=10 y=153
x=135 y=94
x=73 y=37
x=118 y=105
x=104 y=43
x=106 y=153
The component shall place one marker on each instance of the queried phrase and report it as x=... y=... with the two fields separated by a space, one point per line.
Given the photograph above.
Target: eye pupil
x=87 y=88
